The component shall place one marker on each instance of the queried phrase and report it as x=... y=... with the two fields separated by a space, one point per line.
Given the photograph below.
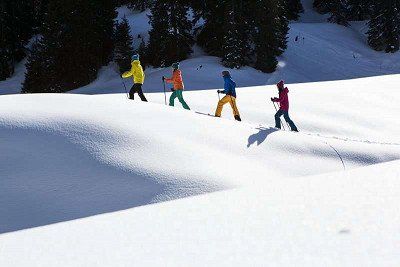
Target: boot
x=237 y=117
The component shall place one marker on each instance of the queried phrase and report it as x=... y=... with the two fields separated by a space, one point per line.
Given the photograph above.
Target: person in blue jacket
x=230 y=96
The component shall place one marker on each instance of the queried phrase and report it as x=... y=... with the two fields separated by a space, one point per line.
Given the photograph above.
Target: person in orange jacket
x=177 y=91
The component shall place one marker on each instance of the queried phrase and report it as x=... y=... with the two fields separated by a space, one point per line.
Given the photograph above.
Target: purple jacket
x=283 y=99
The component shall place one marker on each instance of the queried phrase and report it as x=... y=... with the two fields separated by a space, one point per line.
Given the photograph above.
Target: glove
x=163 y=78
x=172 y=90
x=272 y=99
x=219 y=91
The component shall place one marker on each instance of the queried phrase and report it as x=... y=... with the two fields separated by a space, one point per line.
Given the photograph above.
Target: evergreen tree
x=16 y=28
x=41 y=76
x=159 y=34
x=271 y=39
x=171 y=34
x=358 y=10
x=231 y=57
x=142 y=51
x=384 y=31
x=322 y=6
x=294 y=8
x=103 y=13
x=339 y=12
x=123 y=50
x=39 y=14
x=211 y=36
x=237 y=41
x=72 y=48
x=7 y=42
x=140 y=5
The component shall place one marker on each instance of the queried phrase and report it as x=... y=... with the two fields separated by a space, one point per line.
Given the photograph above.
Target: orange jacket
x=176 y=80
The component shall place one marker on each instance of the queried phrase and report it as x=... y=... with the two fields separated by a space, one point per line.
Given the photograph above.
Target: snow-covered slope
x=77 y=156
x=340 y=219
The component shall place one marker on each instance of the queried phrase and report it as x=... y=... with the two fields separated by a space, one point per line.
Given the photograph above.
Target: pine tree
x=103 y=13
x=159 y=34
x=211 y=36
x=41 y=76
x=231 y=58
x=39 y=14
x=171 y=34
x=72 y=47
x=16 y=28
x=384 y=25
x=237 y=41
x=142 y=51
x=338 y=11
x=322 y=6
x=294 y=8
x=140 y=5
x=358 y=10
x=271 y=38
x=7 y=43
x=123 y=50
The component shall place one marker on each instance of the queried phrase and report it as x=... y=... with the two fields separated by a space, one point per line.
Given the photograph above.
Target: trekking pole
x=126 y=91
x=279 y=118
x=165 y=93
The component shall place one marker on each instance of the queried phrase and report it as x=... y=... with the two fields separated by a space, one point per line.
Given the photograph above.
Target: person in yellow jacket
x=138 y=78
x=230 y=96
x=177 y=81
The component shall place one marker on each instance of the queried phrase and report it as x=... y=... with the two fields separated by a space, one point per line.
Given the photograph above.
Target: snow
x=90 y=178
x=177 y=184
x=340 y=219
x=13 y=84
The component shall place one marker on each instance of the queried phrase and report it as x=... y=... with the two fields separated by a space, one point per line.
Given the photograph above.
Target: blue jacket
x=229 y=87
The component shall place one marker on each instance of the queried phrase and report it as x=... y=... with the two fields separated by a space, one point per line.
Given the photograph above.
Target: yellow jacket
x=136 y=72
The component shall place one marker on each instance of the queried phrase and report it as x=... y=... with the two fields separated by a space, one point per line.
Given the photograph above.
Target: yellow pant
x=227 y=99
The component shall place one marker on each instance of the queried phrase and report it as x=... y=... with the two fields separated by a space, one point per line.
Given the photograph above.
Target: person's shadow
x=261 y=136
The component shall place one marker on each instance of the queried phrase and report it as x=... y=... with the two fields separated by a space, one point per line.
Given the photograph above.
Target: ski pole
x=126 y=91
x=219 y=98
x=279 y=118
x=165 y=93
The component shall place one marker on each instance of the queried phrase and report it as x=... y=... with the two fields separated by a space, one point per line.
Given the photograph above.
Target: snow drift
x=72 y=156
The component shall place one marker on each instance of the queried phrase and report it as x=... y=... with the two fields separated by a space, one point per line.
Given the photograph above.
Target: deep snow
x=77 y=156
x=341 y=219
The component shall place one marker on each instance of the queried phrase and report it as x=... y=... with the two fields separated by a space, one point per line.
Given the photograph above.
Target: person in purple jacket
x=283 y=101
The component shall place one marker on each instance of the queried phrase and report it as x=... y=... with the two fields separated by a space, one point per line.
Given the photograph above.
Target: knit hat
x=281 y=84
x=226 y=73
x=175 y=65
x=135 y=57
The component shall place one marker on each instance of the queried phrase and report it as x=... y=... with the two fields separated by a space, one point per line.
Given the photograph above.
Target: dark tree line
x=171 y=37
x=19 y=21
x=251 y=32
x=74 y=39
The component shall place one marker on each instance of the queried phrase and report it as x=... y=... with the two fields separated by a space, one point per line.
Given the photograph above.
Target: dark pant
x=287 y=119
x=137 y=88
